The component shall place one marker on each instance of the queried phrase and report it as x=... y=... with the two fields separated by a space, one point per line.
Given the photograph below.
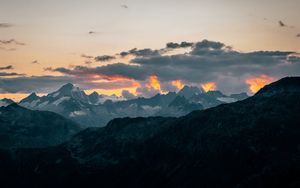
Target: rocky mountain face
x=96 y=110
x=23 y=128
x=250 y=143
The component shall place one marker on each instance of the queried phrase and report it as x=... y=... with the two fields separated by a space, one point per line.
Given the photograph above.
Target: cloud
x=46 y=84
x=35 y=62
x=9 y=67
x=12 y=41
x=172 y=45
x=107 y=72
x=88 y=62
x=40 y=84
x=147 y=52
x=7 y=49
x=87 y=56
x=124 y=6
x=141 y=52
x=94 y=32
x=3 y=74
x=5 y=25
x=104 y=58
x=281 y=24
x=206 y=62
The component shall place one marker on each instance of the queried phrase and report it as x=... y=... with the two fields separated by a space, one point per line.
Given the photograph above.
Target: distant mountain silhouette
x=96 y=110
x=250 y=143
x=23 y=128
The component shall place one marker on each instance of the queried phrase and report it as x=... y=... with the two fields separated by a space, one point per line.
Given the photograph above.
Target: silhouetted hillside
x=250 y=143
x=20 y=127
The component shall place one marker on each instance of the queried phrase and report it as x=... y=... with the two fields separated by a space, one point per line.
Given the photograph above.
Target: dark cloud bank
x=207 y=61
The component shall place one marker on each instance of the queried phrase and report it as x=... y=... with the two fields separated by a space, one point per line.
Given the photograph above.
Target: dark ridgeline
x=24 y=128
x=250 y=143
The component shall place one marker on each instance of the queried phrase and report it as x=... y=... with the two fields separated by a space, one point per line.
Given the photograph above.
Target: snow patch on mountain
x=43 y=104
x=77 y=113
x=55 y=94
x=227 y=99
x=60 y=100
x=151 y=109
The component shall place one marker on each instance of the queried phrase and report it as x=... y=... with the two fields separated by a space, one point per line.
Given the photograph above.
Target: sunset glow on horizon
x=255 y=84
x=178 y=84
x=210 y=86
x=154 y=83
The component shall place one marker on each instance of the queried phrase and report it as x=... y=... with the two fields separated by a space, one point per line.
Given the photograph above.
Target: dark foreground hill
x=20 y=127
x=251 y=143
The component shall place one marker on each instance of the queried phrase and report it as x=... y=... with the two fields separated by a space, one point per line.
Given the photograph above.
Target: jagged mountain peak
x=68 y=87
x=69 y=90
x=32 y=97
x=189 y=91
x=13 y=107
x=94 y=94
x=6 y=102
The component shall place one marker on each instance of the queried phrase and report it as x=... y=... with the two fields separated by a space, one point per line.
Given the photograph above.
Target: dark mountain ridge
x=250 y=143
x=20 y=127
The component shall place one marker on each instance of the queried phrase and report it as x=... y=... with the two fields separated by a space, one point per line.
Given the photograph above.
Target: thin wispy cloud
x=9 y=67
x=92 y=32
x=124 y=6
x=88 y=62
x=35 y=62
x=87 y=56
x=141 y=52
x=12 y=41
x=4 y=74
x=281 y=24
x=5 y=25
x=105 y=58
x=7 y=49
x=184 y=44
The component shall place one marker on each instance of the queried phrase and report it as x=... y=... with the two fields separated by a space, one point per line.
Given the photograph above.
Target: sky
x=229 y=45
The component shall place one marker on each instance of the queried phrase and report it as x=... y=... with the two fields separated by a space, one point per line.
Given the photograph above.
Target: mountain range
x=250 y=143
x=96 y=110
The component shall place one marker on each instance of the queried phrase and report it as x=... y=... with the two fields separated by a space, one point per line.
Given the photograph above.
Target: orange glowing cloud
x=257 y=83
x=154 y=83
x=209 y=86
x=178 y=84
